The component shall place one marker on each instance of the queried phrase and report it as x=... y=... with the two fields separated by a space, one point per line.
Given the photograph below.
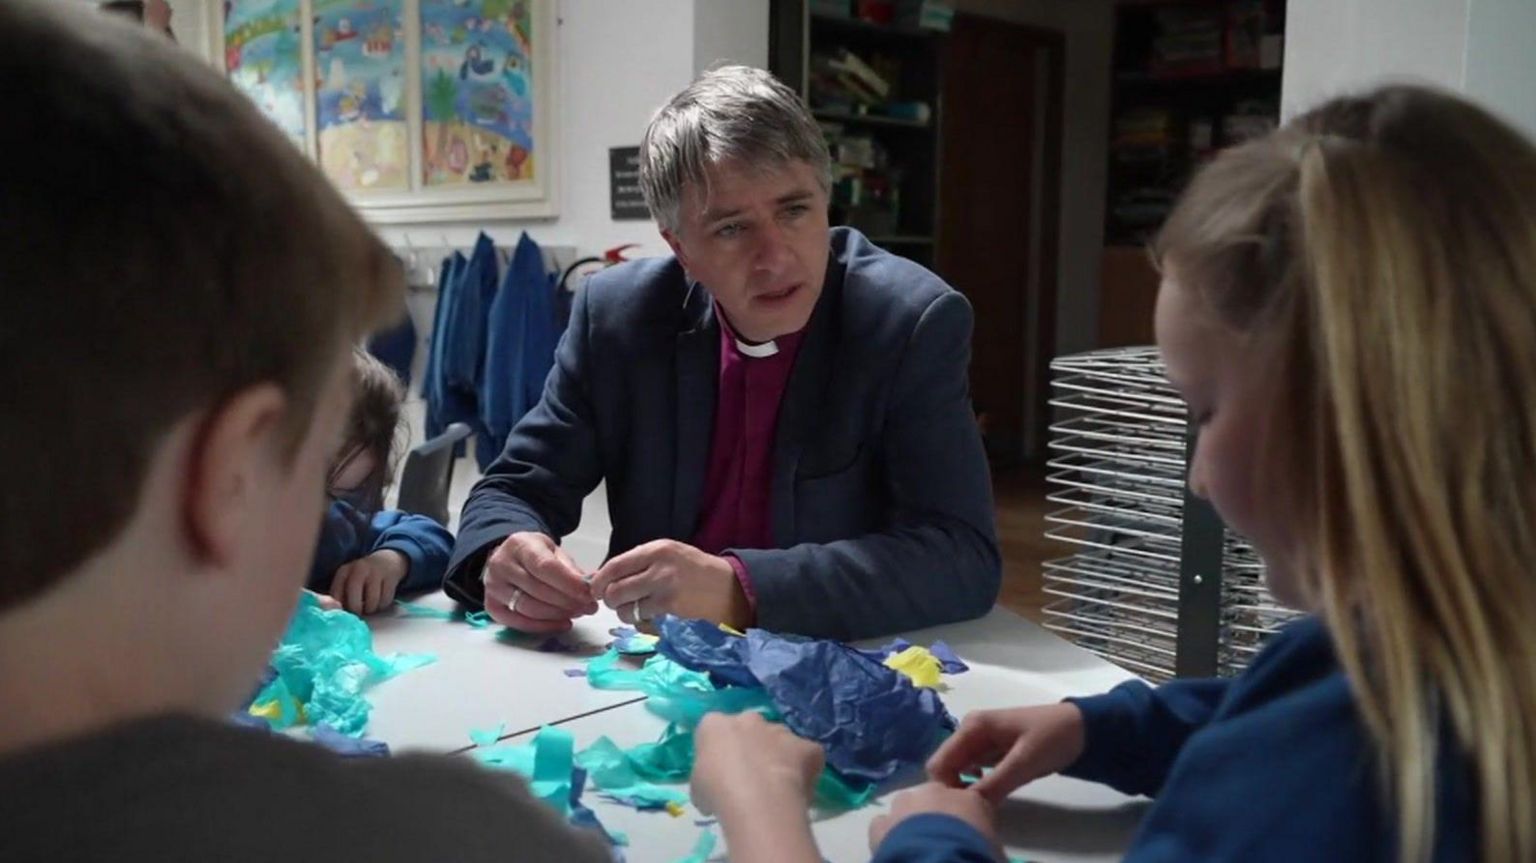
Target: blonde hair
x=1382 y=251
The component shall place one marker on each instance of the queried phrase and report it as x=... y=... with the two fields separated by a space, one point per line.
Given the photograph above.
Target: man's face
x=757 y=240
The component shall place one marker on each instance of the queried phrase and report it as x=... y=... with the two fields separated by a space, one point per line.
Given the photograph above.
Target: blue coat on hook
x=433 y=384
x=520 y=348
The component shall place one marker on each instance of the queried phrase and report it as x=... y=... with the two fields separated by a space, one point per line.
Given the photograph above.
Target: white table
x=478 y=681
x=1054 y=820
x=1014 y=661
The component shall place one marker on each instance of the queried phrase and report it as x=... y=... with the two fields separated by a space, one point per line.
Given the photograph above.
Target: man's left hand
x=670 y=577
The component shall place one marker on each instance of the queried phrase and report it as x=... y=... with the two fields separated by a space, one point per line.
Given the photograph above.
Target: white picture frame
x=445 y=196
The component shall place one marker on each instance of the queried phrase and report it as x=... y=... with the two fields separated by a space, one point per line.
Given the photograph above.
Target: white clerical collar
x=757 y=352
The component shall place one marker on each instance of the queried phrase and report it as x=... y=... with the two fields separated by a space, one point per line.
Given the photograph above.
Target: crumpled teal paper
x=477 y=619
x=324 y=663
x=683 y=697
x=554 y=754
x=546 y=763
x=623 y=777
x=487 y=736
x=416 y=609
x=516 y=757
x=702 y=848
x=549 y=765
x=673 y=692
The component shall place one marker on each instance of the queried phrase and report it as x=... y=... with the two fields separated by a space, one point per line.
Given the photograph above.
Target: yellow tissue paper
x=918 y=664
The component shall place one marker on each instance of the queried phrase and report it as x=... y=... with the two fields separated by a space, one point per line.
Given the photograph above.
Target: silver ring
x=635 y=612
x=517 y=593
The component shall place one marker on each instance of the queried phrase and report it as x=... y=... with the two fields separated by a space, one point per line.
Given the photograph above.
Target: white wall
x=734 y=31
x=190 y=19
x=1335 y=46
x=1480 y=47
x=1089 y=29
x=1500 y=68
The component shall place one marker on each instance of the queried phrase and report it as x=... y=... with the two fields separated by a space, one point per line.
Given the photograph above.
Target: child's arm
x=758 y=779
x=1126 y=738
x=934 y=824
x=1134 y=733
x=425 y=544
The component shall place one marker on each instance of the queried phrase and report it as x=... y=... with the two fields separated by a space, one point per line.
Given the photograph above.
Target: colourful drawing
x=263 y=56
x=477 y=91
x=360 y=93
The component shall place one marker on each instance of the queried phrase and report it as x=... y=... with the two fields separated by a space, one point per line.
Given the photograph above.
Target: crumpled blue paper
x=335 y=741
x=948 y=659
x=349 y=747
x=323 y=665
x=632 y=642
x=583 y=816
x=871 y=721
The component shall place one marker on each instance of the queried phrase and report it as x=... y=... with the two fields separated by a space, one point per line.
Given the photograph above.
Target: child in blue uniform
x=367 y=554
x=1348 y=307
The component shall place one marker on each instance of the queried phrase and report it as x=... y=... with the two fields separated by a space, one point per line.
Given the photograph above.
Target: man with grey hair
x=779 y=409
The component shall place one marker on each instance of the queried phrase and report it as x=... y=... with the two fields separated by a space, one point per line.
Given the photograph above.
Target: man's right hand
x=532 y=585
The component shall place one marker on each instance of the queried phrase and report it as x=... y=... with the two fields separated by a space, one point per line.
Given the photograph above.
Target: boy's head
x=365 y=459
x=181 y=288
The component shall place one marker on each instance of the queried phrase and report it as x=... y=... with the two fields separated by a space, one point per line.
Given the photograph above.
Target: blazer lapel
x=698 y=374
x=802 y=400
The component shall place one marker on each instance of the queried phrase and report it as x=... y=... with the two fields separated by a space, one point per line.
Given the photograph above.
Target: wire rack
x=1116 y=474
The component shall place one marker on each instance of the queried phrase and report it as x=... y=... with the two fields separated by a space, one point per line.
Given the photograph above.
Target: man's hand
x=670 y=577
x=532 y=585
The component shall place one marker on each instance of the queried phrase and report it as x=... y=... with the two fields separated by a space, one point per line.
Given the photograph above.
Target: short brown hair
x=375 y=419
x=163 y=247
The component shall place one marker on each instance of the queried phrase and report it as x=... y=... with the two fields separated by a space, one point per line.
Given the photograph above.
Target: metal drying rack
x=1156 y=584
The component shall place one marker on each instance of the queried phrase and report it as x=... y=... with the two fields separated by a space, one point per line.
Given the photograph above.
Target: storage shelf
x=869 y=119
x=857 y=25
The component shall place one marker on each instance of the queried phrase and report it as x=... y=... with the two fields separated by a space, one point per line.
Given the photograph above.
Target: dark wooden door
x=998 y=213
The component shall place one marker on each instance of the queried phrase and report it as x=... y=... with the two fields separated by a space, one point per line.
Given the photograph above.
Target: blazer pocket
x=829 y=465
x=840 y=504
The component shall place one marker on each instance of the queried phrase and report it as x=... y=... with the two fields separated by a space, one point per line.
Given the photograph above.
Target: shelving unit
x=885 y=167
x=1189 y=78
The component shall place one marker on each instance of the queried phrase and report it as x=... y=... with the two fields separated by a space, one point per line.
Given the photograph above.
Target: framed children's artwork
x=418 y=110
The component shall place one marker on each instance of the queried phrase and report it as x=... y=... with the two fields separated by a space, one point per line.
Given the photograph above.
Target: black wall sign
x=624 y=195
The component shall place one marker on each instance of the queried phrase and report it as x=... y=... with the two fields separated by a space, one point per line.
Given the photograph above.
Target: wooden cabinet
x=1127 y=296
